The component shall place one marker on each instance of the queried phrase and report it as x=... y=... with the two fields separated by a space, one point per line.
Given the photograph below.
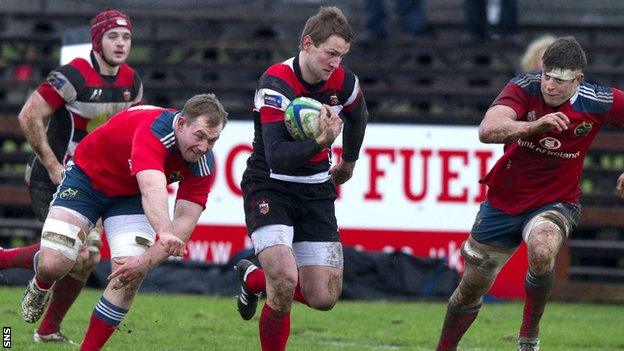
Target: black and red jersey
x=275 y=153
x=82 y=99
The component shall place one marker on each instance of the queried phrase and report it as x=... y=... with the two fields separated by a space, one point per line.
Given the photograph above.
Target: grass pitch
x=190 y=322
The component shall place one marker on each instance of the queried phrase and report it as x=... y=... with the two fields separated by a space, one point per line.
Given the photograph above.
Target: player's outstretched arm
x=133 y=269
x=32 y=119
x=185 y=217
x=153 y=186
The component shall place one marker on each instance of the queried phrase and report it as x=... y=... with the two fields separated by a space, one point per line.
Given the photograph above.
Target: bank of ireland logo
x=550 y=143
x=263 y=207
x=583 y=129
x=68 y=193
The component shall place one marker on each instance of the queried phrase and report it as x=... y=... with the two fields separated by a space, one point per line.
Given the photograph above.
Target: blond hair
x=531 y=60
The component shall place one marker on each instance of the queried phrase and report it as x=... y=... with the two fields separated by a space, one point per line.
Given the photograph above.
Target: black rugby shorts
x=308 y=208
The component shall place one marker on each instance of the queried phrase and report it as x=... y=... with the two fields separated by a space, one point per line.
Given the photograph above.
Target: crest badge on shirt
x=583 y=129
x=176 y=177
x=126 y=95
x=531 y=116
x=263 y=207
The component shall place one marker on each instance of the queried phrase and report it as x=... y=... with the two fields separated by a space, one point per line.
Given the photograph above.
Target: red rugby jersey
x=542 y=168
x=137 y=139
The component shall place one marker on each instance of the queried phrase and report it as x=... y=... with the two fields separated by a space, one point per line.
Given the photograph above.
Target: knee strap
x=129 y=244
x=553 y=218
x=486 y=261
x=63 y=237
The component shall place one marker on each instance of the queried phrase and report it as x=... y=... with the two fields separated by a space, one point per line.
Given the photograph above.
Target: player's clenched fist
x=330 y=125
x=172 y=244
x=552 y=121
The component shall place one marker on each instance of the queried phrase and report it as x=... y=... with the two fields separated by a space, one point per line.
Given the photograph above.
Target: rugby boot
x=246 y=301
x=34 y=302
x=525 y=344
x=57 y=337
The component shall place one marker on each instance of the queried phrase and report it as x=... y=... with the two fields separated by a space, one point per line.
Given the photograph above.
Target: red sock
x=274 y=329
x=97 y=334
x=256 y=283
x=456 y=322
x=298 y=296
x=104 y=320
x=43 y=284
x=19 y=257
x=64 y=294
x=537 y=290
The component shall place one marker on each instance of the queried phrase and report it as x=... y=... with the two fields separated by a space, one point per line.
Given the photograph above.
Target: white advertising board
x=408 y=177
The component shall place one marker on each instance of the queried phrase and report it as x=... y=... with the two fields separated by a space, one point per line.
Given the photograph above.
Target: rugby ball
x=302 y=118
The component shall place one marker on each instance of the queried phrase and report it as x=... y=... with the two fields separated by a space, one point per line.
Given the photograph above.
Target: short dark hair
x=565 y=53
x=327 y=22
x=205 y=104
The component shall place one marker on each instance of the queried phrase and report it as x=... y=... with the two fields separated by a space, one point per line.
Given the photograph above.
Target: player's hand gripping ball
x=302 y=118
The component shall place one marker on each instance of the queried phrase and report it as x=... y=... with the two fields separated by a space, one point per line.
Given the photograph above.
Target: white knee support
x=129 y=244
x=554 y=219
x=63 y=237
x=128 y=235
x=486 y=261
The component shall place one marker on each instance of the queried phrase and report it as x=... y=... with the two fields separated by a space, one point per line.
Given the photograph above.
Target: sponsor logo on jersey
x=273 y=100
x=68 y=193
x=333 y=100
x=583 y=129
x=531 y=116
x=176 y=177
x=57 y=82
x=550 y=143
x=263 y=207
x=126 y=95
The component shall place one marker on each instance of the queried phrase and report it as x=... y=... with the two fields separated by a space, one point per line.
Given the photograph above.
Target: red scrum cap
x=105 y=20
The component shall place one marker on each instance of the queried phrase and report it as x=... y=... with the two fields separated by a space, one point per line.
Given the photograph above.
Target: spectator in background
x=476 y=12
x=23 y=73
x=410 y=13
x=531 y=60
x=54 y=120
x=547 y=122
x=3 y=65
